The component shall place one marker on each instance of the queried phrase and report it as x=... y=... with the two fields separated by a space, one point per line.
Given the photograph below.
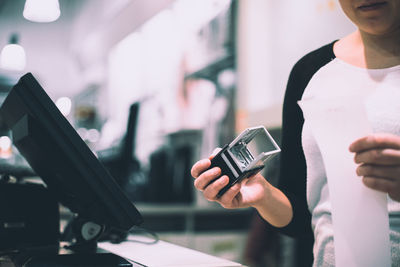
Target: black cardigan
x=292 y=180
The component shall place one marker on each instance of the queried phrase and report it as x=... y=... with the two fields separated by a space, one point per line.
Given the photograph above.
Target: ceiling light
x=42 y=10
x=12 y=55
x=64 y=105
x=5 y=147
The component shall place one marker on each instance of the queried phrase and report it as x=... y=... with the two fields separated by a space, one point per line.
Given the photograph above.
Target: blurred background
x=153 y=86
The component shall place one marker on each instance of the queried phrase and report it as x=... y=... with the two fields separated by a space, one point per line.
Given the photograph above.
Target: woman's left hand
x=379 y=159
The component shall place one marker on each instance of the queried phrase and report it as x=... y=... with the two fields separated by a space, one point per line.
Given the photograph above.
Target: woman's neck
x=369 y=51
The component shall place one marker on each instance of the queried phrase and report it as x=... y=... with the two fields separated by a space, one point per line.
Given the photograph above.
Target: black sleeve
x=292 y=180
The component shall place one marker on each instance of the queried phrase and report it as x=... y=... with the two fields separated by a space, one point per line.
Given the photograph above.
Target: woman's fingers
x=383 y=171
x=211 y=191
x=381 y=140
x=385 y=156
x=200 y=167
x=379 y=156
x=210 y=182
x=390 y=186
x=227 y=199
x=206 y=178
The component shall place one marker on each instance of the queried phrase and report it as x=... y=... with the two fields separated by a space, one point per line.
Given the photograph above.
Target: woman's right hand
x=252 y=191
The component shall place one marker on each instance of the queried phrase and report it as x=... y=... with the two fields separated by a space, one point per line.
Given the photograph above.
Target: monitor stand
x=82 y=252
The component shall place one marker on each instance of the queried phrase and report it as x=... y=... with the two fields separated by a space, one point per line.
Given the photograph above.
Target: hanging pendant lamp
x=12 y=55
x=42 y=10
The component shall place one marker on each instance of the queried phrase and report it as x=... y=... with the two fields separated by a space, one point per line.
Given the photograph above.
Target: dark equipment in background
x=28 y=224
x=169 y=178
x=121 y=163
x=71 y=172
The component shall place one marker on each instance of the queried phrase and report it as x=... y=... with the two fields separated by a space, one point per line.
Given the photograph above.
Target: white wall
x=103 y=23
x=272 y=36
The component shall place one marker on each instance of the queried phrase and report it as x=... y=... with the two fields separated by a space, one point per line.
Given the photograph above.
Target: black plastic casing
x=225 y=162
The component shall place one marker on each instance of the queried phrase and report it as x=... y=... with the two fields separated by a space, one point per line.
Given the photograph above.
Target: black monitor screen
x=62 y=159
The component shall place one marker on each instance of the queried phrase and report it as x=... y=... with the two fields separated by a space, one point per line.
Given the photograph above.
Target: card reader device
x=245 y=155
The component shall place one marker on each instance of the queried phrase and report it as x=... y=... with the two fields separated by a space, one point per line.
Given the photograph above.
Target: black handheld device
x=245 y=155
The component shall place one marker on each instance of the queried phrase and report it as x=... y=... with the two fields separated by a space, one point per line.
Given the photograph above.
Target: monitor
x=58 y=155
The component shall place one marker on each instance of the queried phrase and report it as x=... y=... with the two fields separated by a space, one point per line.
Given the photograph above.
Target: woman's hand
x=379 y=159
x=247 y=193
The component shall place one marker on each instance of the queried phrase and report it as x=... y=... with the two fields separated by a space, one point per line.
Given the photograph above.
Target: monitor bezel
x=28 y=97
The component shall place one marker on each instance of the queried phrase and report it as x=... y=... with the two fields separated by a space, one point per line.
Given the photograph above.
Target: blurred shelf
x=211 y=70
x=192 y=218
x=148 y=208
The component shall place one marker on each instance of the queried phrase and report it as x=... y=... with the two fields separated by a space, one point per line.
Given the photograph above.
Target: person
x=367 y=60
